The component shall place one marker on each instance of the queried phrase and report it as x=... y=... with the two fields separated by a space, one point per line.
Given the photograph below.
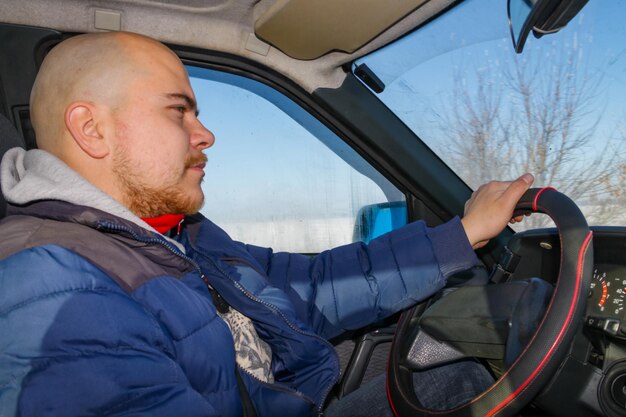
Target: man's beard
x=145 y=201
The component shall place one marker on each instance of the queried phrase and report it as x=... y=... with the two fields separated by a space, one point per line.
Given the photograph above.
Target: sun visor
x=308 y=29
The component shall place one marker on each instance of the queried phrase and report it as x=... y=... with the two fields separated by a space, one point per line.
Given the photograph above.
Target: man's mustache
x=195 y=159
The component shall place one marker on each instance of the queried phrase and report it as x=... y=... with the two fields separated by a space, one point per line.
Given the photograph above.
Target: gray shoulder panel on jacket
x=128 y=262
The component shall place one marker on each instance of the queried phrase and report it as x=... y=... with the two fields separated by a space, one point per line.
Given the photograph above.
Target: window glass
x=278 y=177
x=558 y=110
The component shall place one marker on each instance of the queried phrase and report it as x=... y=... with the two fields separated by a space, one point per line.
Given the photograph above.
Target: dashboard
x=592 y=379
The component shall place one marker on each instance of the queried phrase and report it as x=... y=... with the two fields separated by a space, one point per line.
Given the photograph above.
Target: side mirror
x=542 y=17
x=376 y=219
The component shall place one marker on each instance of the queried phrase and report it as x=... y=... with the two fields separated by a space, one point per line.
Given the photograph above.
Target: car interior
x=544 y=309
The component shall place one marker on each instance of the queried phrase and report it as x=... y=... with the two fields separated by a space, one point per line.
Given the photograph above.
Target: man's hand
x=490 y=208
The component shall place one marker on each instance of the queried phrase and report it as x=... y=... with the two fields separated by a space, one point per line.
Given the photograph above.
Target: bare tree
x=537 y=115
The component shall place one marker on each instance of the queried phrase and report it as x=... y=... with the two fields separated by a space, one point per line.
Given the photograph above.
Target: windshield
x=558 y=110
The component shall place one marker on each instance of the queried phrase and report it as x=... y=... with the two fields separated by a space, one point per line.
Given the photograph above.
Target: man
x=103 y=315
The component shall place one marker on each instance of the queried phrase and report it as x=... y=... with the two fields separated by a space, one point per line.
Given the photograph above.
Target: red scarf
x=164 y=223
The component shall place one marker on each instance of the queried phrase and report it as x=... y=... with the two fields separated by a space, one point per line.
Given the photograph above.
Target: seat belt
x=246 y=401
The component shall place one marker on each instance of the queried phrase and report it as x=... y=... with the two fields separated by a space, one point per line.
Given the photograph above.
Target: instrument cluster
x=605 y=302
x=608 y=291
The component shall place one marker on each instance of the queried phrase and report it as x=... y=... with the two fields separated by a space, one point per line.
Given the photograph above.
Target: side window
x=278 y=177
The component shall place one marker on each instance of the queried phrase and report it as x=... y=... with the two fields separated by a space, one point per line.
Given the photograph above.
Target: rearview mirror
x=541 y=16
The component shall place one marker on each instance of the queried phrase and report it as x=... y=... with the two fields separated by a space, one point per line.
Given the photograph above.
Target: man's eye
x=179 y=109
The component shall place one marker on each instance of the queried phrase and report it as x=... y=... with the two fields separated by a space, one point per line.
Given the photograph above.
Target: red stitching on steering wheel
x=538 y=194
x=579 y=271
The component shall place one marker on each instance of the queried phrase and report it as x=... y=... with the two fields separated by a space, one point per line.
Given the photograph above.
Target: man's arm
x=351 y=286
x=357 y=284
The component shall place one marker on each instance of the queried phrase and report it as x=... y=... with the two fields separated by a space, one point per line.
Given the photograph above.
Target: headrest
x=9 y=138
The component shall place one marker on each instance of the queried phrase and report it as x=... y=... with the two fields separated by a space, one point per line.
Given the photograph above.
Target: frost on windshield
x=557 y=111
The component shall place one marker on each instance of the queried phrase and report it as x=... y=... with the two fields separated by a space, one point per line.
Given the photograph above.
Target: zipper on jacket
x=297 y=329
x=117 y=228
x=220 y=304
x=285 y=319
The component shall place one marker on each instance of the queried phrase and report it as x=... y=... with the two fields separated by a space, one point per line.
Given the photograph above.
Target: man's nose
x=201 y=137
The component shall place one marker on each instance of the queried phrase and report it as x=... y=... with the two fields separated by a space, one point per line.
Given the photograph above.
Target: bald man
x=108 y=309
x=86 y=109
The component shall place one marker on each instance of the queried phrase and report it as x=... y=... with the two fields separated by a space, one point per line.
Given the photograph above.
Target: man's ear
x=81 y=121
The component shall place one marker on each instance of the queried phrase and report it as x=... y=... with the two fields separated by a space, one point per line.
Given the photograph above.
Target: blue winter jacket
x=99 y=316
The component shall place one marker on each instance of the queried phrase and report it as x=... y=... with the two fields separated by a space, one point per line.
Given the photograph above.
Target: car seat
x=9 y=138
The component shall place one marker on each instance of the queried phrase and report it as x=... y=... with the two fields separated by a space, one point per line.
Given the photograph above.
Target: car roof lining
x=228 y=26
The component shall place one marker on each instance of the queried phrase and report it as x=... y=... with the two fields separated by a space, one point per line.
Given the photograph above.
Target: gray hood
x=27 y=176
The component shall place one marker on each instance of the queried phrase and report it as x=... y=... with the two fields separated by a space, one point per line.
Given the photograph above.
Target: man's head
x=119 y=109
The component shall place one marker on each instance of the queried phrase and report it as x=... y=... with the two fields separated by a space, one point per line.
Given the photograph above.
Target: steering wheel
x=542 y=355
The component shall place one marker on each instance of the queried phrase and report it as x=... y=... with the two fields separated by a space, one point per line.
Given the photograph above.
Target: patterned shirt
x=253 y=354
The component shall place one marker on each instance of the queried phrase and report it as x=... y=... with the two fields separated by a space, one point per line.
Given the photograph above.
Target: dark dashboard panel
x=609 y=246
x=539 y=257
x=592 y=380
